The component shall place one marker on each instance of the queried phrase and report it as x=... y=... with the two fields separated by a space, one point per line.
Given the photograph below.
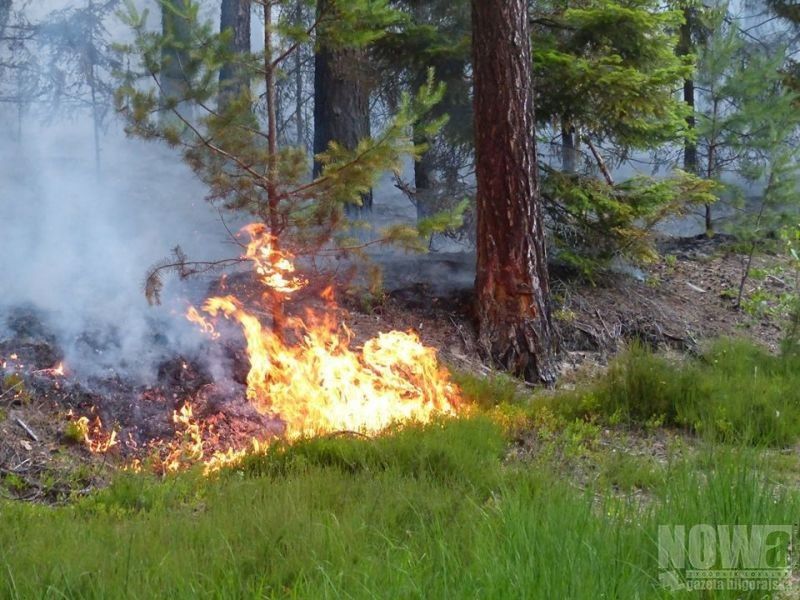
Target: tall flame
x=320 y=384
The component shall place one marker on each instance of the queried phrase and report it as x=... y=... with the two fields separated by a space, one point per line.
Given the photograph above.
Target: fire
x=320 y=384
x=188 y=448
x=275 y=268
x=92 y=433
x=57 y=371
x=198 y=319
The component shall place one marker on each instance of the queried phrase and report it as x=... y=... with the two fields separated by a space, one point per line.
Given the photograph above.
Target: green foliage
x=229 y=146
x=605 y=74
x=14 y=390
x=627 y=472
x=594 y=221
x=409 y=517
x=736 y=393
x=75 y=432
x=487 y=392
x=432 y=35
x=455 y=452
x=609 y=70
x=355 y=23
x=746 y=120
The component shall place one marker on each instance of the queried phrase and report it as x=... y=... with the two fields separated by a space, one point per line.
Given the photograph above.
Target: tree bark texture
x=685 y=47
x=512 y=287
x=235 y=15
x=341 y=101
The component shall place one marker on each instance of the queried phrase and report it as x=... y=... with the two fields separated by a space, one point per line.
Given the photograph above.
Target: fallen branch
x=27 y=429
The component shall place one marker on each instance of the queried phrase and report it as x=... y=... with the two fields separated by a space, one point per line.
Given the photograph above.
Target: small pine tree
x=745 y=115
x=606 y=75
x=234 y=148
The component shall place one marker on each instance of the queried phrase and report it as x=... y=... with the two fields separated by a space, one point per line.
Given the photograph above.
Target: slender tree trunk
x=300 y=121
x=95 y=119
x=601 y=163
x=711 y=166
x=233 y=79
x=690 y=147
x=273 y=217
x=91 y=60
x=512 y=286
x=424 y=180
x=341 y=101
x=749 y=261
x=298 y=101
x=685 y=47
x=568 y=152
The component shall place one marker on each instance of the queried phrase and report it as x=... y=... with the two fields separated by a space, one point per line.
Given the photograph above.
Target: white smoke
x=76 y=243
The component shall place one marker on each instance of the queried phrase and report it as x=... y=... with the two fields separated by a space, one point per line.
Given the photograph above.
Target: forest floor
x=483 y=505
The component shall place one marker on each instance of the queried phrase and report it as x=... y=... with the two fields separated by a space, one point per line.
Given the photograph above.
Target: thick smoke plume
x=76 y=242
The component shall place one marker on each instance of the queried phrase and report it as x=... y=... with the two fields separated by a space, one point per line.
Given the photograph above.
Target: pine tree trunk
x=173 y=56
x=298 y=88
x=235 y=15
x=512 y=286
x=424 y=180
x=568 y=151
x=273 y=217
x=341 y=101
x=684 y=49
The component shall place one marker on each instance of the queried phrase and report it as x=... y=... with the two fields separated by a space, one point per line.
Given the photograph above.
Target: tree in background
x=22 y=82
x=81 y=61
x=295 y=89
x=234 y=149
x=177 y=67
x=342 y=88
x=511 y=286
x=693 y=34
x=235 y=22
x=605 y=76
x=745 y=115
x=434 y=34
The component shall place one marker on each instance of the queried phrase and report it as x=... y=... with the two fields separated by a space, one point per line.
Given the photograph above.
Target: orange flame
x=188 y=448
x=275 y=268
x=199 y=320
x=93 y=435
x=320 y=384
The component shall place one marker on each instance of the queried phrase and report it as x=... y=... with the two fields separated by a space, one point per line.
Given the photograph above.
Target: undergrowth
x=735 y=393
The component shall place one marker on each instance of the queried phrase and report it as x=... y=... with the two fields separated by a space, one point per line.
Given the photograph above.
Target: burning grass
x=305 y=377
x=303 y=370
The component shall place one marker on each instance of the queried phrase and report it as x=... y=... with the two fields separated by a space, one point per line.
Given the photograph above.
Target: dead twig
x=11 y=389
x=603 y=323
x=27 y=429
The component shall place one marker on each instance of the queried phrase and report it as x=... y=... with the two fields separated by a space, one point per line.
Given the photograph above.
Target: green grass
x=354 y=518
x=734 y=393
x=441 y=511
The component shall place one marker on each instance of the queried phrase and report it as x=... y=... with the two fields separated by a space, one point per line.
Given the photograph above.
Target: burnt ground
x=678 y=303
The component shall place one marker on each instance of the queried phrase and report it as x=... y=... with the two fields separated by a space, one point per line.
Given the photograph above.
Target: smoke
x=76 y=244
